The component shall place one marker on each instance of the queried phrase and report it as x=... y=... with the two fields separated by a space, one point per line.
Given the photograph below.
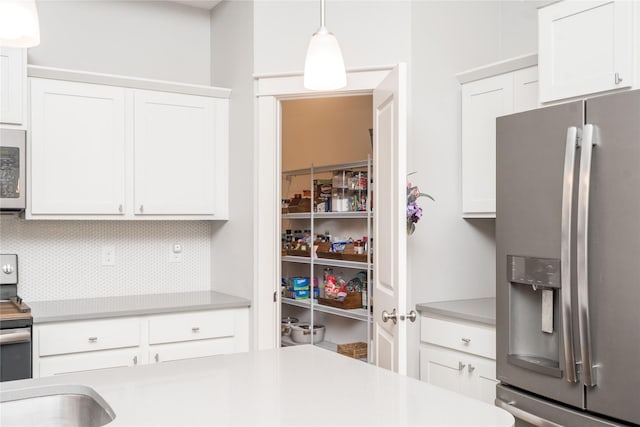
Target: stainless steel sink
x=59 y=405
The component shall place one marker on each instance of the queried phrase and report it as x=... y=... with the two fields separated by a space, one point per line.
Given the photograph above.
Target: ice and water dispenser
x=534 y=298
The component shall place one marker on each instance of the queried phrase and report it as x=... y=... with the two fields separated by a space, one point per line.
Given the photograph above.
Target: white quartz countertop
x=302 y=385
x=482 y=310
x=133 y=305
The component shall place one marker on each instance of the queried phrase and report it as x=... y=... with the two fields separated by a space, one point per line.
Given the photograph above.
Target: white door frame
x=270 y=90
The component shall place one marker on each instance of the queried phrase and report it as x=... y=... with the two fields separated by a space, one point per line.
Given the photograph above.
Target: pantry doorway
x=388 y=87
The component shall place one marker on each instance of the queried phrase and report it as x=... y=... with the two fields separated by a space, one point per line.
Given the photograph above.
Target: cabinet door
x=13 y=73
x=77 y=150
x=55 y=365
x=482 y=376
x=482 y=101
x=442 y=368
x=175 y=154
x=585 y=47
x=188 y=350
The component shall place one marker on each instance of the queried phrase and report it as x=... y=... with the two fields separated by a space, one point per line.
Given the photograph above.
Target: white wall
x=61 y=259
x=369 y=32
x=231 y=66
x=152 y=39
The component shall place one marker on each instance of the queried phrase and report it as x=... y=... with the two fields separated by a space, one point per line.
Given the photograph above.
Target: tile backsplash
x=63 y=259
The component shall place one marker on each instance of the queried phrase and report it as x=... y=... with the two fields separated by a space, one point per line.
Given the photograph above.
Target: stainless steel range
x=15 y=324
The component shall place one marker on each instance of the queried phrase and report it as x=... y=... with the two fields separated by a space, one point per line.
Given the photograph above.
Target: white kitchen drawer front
x=188 y=350
x=77 y=362
x=192 y=326
x=473 y=339
x=74 y=337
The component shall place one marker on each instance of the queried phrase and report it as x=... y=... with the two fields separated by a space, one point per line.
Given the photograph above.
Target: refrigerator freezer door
x=614 y=256
x=530 y=169
x=530 y=410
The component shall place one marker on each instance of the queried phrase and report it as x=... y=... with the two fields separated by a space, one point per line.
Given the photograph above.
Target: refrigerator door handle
x=524 y=415
x=588 y=372
x=565 y=252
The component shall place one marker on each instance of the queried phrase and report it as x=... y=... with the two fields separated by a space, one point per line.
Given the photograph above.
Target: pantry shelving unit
x=346 y=219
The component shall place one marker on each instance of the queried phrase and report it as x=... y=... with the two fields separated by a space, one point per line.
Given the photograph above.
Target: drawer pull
x=93 y=339
x=466 y=340
x=471 y=367
x=157 y=357
x=135 y=360
x=461 y=366
x=195 y=329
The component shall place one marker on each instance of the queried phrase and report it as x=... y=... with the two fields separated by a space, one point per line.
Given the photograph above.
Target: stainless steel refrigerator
x=568 y=263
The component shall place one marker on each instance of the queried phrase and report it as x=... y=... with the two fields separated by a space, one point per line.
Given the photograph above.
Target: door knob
x=393 y=316
x=412 y=315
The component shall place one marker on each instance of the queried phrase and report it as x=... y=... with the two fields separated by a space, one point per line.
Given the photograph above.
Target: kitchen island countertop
x=302 y=385
x=132 y=305
x=482 y=310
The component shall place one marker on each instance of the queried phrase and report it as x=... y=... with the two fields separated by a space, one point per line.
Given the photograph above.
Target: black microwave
x=12 y=169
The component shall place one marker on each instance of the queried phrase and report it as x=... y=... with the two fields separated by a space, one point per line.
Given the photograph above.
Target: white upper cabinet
x=104 y=151
x=13 y=77
x=77 y=150
x=175 y=153
x=585 y=47
x=488 y=92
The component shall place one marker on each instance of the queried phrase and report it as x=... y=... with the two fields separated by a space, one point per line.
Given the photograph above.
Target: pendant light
x=19 y=25
x=324 y=66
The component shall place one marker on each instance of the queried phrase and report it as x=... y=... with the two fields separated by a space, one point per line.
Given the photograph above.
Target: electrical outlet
x=108 y=255
x=176 y=253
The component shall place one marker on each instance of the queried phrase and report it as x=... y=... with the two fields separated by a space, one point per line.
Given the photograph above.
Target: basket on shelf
x=351 y=301
x=356 y=350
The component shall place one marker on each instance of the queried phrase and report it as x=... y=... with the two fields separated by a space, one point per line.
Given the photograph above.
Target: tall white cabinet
x=489 y=92
x=113 y=149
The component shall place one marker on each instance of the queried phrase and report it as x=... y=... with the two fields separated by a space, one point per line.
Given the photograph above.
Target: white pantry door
x=390 y=235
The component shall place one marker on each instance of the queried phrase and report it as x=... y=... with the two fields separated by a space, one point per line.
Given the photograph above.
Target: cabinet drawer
x=74 y=337
x=478 y=339
x=192 y=326
x=67 y=363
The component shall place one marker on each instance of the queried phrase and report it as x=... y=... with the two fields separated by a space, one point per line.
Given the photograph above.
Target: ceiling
x=202 y=4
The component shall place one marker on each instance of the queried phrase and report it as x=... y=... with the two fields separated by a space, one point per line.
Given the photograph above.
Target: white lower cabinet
x=199 y=334
x=459 y=356
x=74 y=346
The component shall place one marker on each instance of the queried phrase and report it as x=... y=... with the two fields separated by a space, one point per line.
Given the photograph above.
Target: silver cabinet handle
x=461 y=366
x=7 y=269
x=524 y=415
x=617 y=79
x=565 y=252
x=582 y=252
x=195 y=329
x=157 y=357
x=93 y=339
x=393 y=316
x=120 y=208
x=412 y=316
x=135 y=360
x=141 y=208
x=466 y=340
x=471 y=368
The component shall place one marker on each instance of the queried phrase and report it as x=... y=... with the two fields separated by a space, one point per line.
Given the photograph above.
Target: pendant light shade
x=19 y=25
x=324 y=65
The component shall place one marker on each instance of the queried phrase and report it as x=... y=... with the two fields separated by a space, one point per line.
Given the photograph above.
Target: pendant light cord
x=321 y=13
